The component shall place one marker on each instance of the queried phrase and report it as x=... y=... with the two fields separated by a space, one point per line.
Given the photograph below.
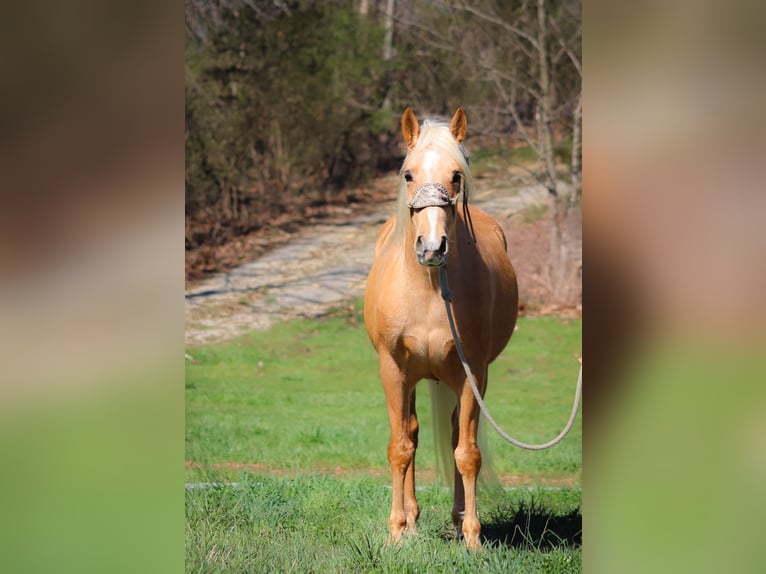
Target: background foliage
x=290 y=102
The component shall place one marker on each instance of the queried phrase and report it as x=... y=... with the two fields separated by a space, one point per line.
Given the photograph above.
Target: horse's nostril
x=443 y=245
x=419 y=248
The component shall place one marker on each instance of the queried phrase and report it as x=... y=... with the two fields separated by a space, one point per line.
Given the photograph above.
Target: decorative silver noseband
x=431 y=194
x=434 y=194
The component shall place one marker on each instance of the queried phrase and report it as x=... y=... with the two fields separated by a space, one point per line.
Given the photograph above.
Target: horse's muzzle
x=430 y=253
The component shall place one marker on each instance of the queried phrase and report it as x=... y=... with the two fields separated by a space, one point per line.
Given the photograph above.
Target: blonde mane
x=434 y=134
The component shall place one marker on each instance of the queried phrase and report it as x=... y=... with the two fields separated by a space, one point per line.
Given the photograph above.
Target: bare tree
x=576 y=151
x=534 y=41
x=297 y=96
x=388 y=45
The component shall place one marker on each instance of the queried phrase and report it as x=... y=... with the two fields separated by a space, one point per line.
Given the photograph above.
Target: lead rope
x=447 y=296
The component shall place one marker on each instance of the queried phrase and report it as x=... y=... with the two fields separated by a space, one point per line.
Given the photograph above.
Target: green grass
x=305 y=395
x=301 y=395
x=315 y=523
x=303 y=403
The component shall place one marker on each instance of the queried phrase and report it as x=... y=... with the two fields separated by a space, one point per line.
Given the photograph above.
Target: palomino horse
x=406 y=318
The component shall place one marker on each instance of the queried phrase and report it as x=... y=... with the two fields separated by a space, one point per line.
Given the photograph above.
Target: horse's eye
x=456 y=177
x=408 y=176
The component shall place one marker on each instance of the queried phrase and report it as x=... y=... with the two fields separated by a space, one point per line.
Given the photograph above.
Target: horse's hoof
x=473 y=546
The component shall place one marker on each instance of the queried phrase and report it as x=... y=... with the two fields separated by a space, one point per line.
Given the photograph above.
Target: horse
x=406 y=319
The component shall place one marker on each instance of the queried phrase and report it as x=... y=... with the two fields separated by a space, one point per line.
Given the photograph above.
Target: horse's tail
x=443 y=402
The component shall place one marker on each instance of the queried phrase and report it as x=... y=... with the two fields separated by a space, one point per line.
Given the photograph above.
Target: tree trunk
x=544 y=107
x=388 y=49
x=576 y=147
x=555 y=268
x=561 y=264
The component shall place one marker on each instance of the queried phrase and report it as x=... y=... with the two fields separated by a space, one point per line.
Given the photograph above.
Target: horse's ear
x=410 y=128
x=457 y=125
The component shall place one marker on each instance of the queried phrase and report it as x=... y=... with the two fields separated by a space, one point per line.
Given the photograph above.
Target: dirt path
x=321 y=268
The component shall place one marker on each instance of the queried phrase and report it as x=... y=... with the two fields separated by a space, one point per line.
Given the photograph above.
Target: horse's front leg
x=401 y=448
x=468 y=464
x=458 y=504
x=411 y=508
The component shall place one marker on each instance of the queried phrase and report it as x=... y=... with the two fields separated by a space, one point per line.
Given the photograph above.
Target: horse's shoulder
x=491 y=226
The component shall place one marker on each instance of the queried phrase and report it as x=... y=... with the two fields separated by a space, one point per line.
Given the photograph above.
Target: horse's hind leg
x=458 y=505
x=401 y=448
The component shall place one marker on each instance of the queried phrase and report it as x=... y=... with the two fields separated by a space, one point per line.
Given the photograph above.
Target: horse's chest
x=426 y=335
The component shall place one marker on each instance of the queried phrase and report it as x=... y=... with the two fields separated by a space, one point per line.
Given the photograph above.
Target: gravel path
x=322 y=268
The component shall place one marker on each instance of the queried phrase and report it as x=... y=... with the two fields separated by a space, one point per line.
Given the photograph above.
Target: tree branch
x=496 y=20
x=572 y=56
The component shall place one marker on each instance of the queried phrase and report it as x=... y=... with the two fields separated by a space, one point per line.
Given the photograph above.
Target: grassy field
x=316 y=523
x=295 y=417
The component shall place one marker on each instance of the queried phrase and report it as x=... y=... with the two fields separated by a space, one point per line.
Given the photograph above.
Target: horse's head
x=434 y=174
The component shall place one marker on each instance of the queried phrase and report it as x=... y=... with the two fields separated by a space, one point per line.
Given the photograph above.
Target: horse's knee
x=401 y=451
x=468 y=460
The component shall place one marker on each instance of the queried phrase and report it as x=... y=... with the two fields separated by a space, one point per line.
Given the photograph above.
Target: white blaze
x=430 y=161
x=433 y=240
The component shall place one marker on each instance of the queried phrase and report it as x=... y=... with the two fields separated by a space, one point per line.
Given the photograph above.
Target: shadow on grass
x=529 y=525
